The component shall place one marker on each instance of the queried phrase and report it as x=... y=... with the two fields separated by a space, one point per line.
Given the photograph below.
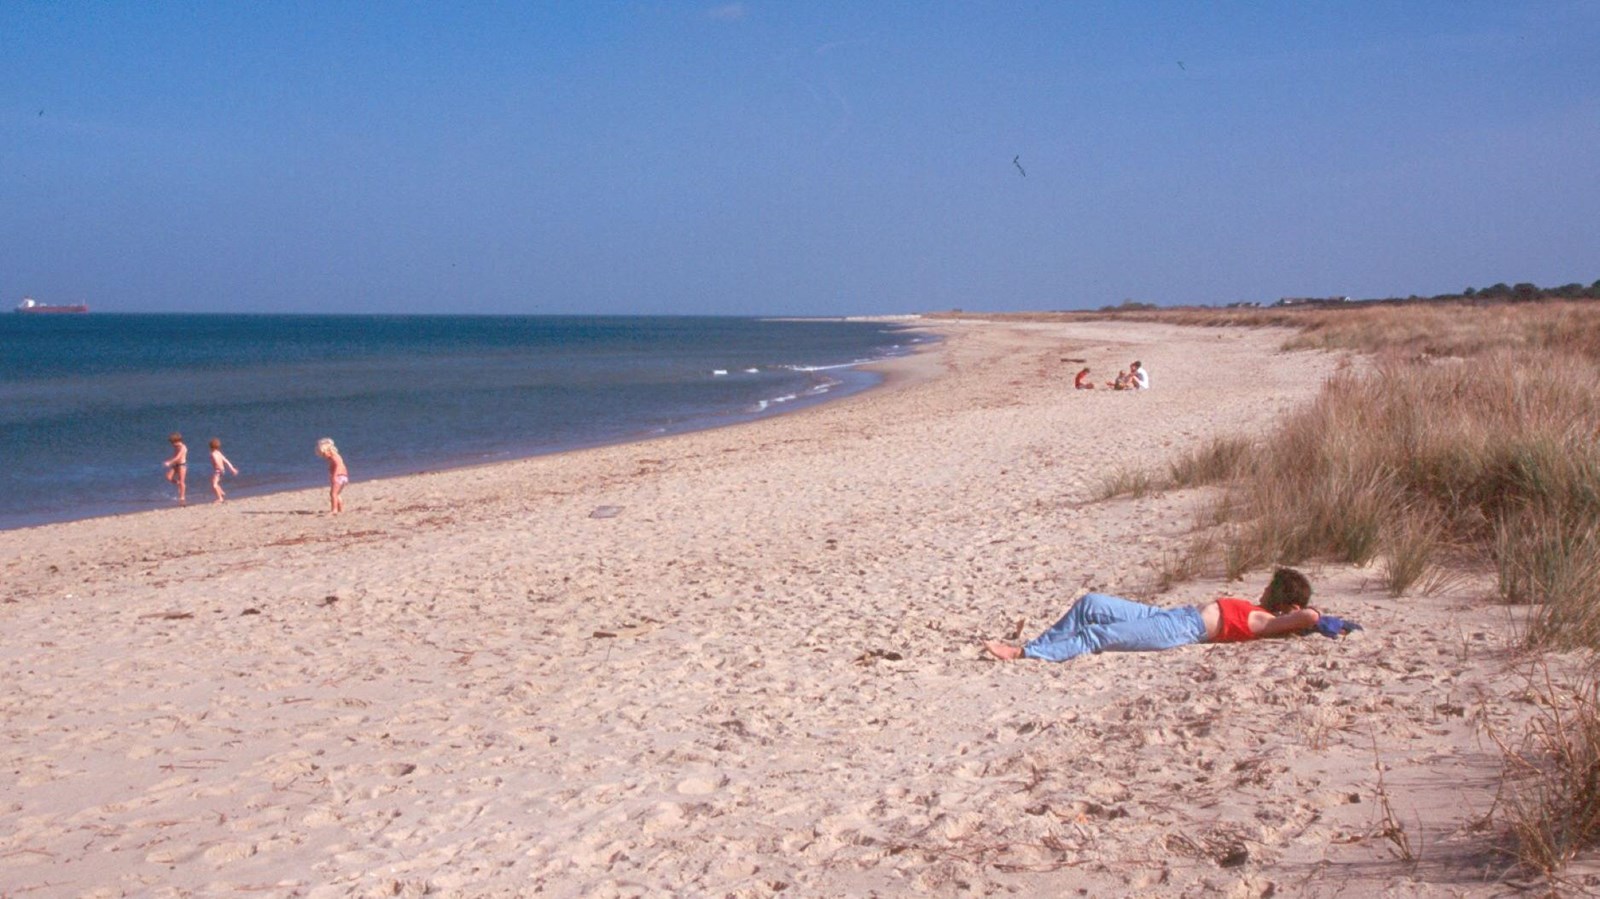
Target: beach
x=745 y=662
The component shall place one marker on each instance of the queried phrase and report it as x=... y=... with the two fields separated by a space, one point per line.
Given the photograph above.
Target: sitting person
x=1082 y=382
x=1101 y=623
x=1138 y=378
x=1121 y=383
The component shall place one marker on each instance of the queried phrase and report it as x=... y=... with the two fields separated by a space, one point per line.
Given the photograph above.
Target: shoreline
x=741 y=661
x=200 y=481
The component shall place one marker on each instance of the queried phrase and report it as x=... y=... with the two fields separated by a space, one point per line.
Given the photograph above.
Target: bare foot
x=1005 y=652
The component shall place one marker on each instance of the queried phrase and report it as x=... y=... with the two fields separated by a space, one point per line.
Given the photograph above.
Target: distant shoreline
x=403 y=394
x=873 y=376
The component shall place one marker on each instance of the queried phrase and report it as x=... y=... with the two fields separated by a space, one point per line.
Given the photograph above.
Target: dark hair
x=174 y=437
x=1288 y=588
x=216 y=443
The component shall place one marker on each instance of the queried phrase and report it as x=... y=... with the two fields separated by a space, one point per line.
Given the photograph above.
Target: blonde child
x=338 y=475
x=219 y=464
x=178 y=467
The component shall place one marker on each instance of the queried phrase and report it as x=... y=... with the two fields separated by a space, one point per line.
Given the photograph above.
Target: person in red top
x=1101 y=623
x=1082 y=382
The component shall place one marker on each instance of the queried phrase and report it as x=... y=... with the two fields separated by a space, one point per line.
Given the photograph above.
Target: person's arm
x=1290 y=623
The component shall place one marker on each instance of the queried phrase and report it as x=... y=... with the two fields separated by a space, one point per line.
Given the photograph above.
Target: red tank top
x=1235 y=624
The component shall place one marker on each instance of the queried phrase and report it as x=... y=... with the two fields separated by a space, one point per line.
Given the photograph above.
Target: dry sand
x=742 y=662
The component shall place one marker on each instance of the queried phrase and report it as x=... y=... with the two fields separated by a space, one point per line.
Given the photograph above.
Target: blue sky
x=790 y=158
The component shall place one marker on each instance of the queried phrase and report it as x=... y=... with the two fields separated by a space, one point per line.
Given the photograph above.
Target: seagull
x=1018 y=165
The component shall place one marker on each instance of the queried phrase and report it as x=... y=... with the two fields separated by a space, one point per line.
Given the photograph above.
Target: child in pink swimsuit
x=338 y=475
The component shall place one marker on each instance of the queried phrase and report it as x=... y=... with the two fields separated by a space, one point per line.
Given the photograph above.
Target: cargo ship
x=34 y=307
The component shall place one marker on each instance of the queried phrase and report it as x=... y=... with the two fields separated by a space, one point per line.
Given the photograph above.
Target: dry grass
x=1389 y=825
x=1414 y=546
x=1219 y=461
x=1551 y=794
x=1415 y=465
x=1130 y=482
x=1465 y=328
x=1476 y=434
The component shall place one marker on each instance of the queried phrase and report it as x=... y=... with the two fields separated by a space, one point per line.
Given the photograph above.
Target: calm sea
x=87 y=401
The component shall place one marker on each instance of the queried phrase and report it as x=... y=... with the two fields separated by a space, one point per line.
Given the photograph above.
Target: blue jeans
x=1101 y=623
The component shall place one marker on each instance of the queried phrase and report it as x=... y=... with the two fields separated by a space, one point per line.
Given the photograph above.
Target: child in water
x=219 y=463
x=338 y=475
x=178 y=467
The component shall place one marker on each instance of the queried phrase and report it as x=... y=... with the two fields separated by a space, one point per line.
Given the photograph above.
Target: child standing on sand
x=338 y=475
x=219 y=462
x=178 y=467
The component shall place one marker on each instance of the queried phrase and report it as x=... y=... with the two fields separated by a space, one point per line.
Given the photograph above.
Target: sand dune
x=754 y=672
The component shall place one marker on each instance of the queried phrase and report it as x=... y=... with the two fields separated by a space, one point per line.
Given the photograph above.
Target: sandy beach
x=745 y=662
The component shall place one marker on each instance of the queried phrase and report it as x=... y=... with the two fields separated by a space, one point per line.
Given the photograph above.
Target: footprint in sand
x=229 y=852
x=699 y=786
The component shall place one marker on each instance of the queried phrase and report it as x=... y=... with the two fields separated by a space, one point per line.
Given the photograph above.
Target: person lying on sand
x=1101 y=623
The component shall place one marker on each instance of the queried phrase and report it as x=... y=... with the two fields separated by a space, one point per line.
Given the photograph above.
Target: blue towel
x=1334 y=626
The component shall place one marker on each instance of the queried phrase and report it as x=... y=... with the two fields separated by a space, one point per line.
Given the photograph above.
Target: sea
x=87 y=401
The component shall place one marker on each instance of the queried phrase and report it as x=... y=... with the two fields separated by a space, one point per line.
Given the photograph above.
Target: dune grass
x=1474 y=436
x=1550 y=797
x=1425 y=464
x=1474 y=439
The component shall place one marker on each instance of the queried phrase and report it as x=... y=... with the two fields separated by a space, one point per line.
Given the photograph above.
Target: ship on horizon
x=33 y=306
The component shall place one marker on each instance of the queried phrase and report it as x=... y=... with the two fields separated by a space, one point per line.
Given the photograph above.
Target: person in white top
x=1141 y=378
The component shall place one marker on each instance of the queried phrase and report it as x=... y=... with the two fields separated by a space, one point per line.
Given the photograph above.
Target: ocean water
x=87 y=401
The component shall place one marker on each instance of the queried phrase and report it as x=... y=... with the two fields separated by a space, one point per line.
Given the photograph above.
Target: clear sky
x=768 y=157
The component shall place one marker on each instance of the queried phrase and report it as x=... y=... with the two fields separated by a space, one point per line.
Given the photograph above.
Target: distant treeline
x=1522 y=292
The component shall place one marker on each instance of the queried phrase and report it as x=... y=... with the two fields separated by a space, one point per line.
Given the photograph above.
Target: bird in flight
x=1182 y=66
x=1015 y=162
